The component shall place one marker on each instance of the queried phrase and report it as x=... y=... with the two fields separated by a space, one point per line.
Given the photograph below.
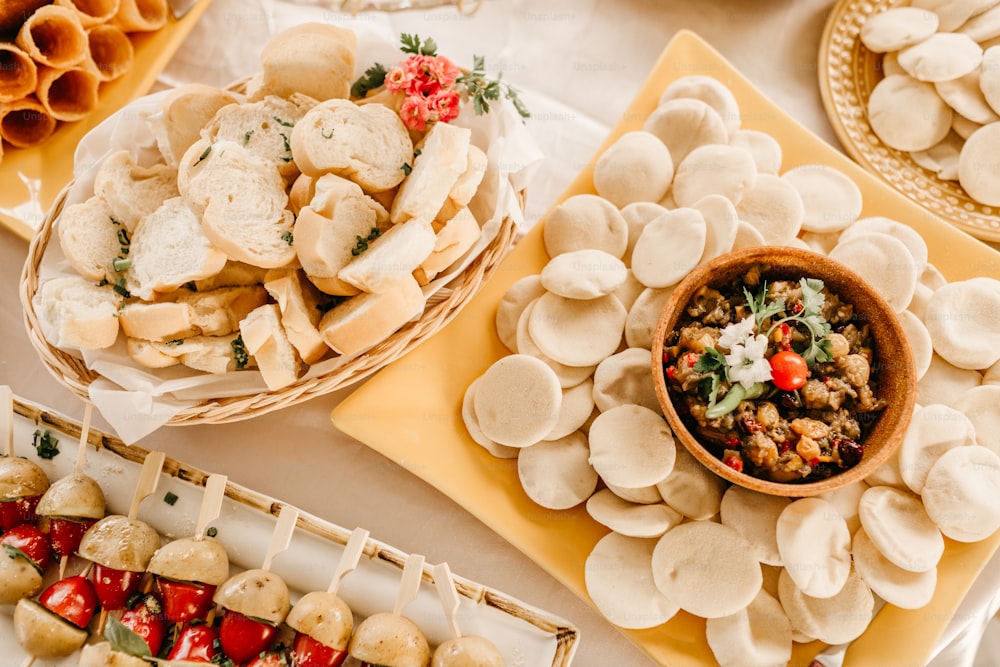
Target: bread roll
x=265 y=339
x=263 y=128
x=452 y=241
x=76 y=313
x=316 y=59
x=53 y=37
x=133 y=191
x=18 y=73
x=88 y=237
x=298 y=301
x=364 y=320
x=184 y=111
x=444 y=156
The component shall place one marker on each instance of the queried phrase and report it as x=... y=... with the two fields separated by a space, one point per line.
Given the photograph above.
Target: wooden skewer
x=7 y=418
x=349 y=559
x=413 y=571
x=29 y=661
x=282 y=535
x=211 y=503
x=449 y=596
x=148 y=480
x=81 y=454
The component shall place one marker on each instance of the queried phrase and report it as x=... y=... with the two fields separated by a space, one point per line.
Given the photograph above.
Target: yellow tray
x=49 y=166
x=411 y=411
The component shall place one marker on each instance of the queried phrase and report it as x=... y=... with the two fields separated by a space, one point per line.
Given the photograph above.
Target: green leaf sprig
x=373 y=77
x=482 y=91
x=413 y=44
x=811 y=317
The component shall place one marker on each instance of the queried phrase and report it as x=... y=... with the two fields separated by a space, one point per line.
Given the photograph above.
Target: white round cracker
x=636 y=167
x=706 y=568
x=943 y=157
x=714 y=169
x=831 y=199
x=585 y=221
x=747 y=236
x=629 y=290
x=963 y=127
x=764 y=148
x=909 y=237
x=583 y=274
x=890 y=64
x=574 y=411
x=944 y=383
x=845 y=500
x=933 y=278
x=691 y=488
x=899 y=587
x=919 y=340
x=721 y=223
x=941 y=57
x=978 y=169
x=640 y=323
x=619 y=579
x=961 y=493
x=907 y=114
x=624 y=378
x=517 y=400
x=556 y=473
x=774 y=208
x=643 y=495
x=884 y=262
x=897 y=27
x=475 y=432
x=669 y=247
x=982 y=26
x=631 y=446
x=834 y=620
x=569 y=376
x=815 y=546
x=631 y=519
x=953 y=13
x=754 y=515
x=710 y=91
x=522 y=292
x=989 y=77
x=900 y=529
x=637 y=215
x=982 y=406
x=758 y=636
x=965 y=96
x=933 y=430
x=574 y=332
x=684 y=124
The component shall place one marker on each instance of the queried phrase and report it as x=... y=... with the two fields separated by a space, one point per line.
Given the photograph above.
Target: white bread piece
x=88 y=237
x=242 y=200
x=233 y=274
x=264 y=128
x=316 y=59
x=218 y=312
x=169 y=248
x=183 y=114
x=453 y=240
x=301 y=192
x=266 y=341
x=367 y=319
x=466 y=186
x=391 y=258
x=157 y=321
x=368 y=144
x=298 y=300
x=444 y=155
x=326 y=236
x=133 y=191
x=76 y=313
x=149 y=354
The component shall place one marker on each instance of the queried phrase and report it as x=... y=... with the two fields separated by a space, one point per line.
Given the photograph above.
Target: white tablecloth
x=578 y=63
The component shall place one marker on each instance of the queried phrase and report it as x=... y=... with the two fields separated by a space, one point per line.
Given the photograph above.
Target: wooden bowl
x=893 y=368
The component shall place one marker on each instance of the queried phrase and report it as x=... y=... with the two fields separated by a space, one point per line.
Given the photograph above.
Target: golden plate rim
x=847 y=74
x=410 y=411
x=51 y=162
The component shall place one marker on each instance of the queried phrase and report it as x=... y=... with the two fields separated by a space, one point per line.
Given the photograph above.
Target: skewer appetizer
x=461 y=650
x=22 y=482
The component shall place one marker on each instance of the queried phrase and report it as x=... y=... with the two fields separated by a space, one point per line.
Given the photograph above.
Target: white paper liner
x=136 y=400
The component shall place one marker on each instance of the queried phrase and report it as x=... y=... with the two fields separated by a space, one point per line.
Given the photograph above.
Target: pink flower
x=415 y=113
x=398 y=79
x=443 y=70
x=445 y=105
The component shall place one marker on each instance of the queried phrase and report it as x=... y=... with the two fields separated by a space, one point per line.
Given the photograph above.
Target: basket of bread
x=222 y=253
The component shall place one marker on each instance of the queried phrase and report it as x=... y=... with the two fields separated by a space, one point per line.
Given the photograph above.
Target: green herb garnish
x=811 y=317
x=287 y=237
x=363 y=242
x=191 y=286
x=413 y=44
x=124 y=240
x=279 y=121
x=325 y=135
x=121 y=264
x=46 y=444
x=124 y=639
x=175 y=342
x=212 y=531
x=246 y=137
x=240 y=352
x=329 y=305
x=407 y=169
x=203 y=155
x=14 y=553
x=120 y=287
x=483 y=90
x=373 y=77
x=170 y=498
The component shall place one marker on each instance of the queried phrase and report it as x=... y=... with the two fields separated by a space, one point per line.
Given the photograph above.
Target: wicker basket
x=71 y=371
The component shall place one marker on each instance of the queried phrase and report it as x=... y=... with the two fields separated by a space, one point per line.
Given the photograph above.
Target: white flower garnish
x=736 y=334
x=747 y=364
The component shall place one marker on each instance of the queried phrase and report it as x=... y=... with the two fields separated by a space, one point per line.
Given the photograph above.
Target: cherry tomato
x=15 y=511
x=72 y=598
x=145 y=619
x=195 y=643
x=65 y=534
x=185 y=601
x=310 y=653
x=272 y=659
x=115 y=587
x=243 y=637
x=788 y=370
x=31 y=542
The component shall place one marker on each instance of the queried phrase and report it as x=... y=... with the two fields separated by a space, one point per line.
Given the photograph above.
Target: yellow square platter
x=411 y=411
x=50 y=164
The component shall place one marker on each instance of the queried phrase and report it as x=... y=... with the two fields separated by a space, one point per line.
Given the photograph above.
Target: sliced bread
x=466 y=186
x=89 y=237
x=157 y=321
x=76 y=313
x=266 y=341
x=367 y=319
x=183 y=114
x=453 y=240
x=150 y=354
x=133 y=191
x=170 y=249
x=443 y=157
x=211 y=354
x=390 y=258
x=218 y=312
x=368 y=144
x=298 y=300
x=264 y=128
x=315 y=59
x=233 y=274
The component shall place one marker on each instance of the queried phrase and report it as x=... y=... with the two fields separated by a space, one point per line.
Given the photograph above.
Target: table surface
x=589 y=58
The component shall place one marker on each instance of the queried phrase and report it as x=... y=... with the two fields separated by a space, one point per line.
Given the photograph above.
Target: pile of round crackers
x=575 y=404
x=940 y=98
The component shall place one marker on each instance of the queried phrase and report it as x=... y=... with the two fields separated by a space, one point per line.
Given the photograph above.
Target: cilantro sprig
x=482 y=91
x=811 y=317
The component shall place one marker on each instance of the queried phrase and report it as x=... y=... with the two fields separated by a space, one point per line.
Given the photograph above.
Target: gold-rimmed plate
x=847 y=74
